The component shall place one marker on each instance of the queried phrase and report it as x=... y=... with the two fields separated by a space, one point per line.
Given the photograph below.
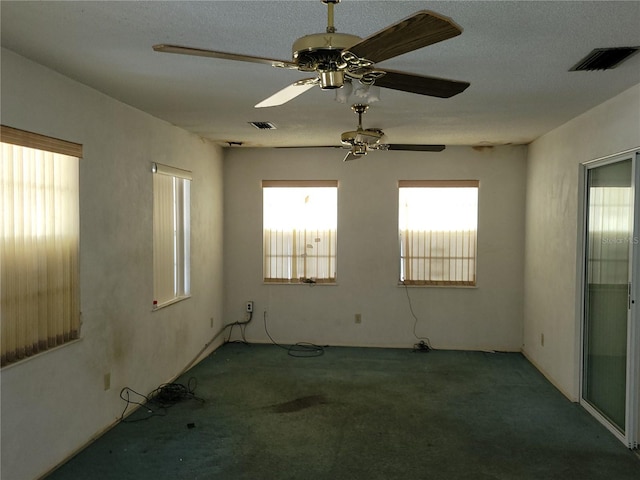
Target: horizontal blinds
x=299 y=183
x=23 y=138
x=171 y=171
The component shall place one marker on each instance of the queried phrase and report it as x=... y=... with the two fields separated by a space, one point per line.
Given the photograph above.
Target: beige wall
x=552 y=230
x=486 y=318
x=54 y=403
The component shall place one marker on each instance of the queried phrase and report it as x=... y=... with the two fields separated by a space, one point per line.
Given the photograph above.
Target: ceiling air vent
x=604 y=58
x=263 y=125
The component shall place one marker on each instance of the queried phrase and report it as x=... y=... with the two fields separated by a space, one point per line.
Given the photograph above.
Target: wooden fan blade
x=419 y=30
x=422 y=85
x=288 y=93
x=416 y=148
x=199 y=52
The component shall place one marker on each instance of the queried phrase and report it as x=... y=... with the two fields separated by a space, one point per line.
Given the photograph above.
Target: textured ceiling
x=516 y=55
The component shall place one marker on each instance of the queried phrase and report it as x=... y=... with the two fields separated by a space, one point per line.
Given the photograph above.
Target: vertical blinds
x=437 y=222
x=299 y=231
x=171 y=233
x=39 y=224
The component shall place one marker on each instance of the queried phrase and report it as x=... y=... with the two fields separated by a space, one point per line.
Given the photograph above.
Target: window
x=171 y=234
x=39 y=224
x=300 y=221
x=437 y=222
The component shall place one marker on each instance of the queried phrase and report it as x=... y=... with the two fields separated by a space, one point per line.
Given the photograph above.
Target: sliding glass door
x=610 y=338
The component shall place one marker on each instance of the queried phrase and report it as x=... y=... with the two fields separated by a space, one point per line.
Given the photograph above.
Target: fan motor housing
x=324 y=41
x=361 y=137
x=321 y=52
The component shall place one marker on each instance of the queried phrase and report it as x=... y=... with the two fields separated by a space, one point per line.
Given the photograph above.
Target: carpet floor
x=257 y=412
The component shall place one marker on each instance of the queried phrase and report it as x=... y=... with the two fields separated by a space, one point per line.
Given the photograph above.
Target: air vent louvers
x=263 y=125
x=604 y=58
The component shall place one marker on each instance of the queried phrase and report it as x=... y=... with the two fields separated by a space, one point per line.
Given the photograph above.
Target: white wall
x=552 y=231
x=54 y=403
x=487 y=317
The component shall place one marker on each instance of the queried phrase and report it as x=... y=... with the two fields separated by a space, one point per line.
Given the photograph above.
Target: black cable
x=169 y=394
x=159 y=400
x=168 y=391
x=208 y=344
x=242 y=325
x=151 y=413
x=425 y=342
x=421 y=346
x=300 y=349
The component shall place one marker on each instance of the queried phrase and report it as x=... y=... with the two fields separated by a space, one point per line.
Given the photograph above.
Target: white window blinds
x=299 y=231
x=437 y=223
x=39 y=224
x=171 y=234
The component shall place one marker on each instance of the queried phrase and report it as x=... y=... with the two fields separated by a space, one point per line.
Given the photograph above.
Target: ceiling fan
x=362 y=140
x=337 y=58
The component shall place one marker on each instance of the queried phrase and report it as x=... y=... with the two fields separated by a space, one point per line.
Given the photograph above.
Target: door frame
x=631 y=436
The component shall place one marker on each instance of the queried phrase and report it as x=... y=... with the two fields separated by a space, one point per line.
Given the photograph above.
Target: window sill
x=416 y=285
x=169 y=302
x=40 y=354
x=310 y=284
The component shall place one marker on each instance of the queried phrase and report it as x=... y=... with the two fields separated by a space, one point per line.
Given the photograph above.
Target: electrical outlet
x=211 y=322
x=542 y=339
x=358 y=318
x=249 y=307
x=107 y=381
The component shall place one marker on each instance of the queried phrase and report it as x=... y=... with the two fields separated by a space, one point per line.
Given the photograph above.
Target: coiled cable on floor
x=159 y=400
x=169 y=394
x=300 y=349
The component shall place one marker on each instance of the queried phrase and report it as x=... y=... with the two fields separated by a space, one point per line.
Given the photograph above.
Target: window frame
x=403 y=259
x=55 y=319
x=332 y=258
x=171 y=278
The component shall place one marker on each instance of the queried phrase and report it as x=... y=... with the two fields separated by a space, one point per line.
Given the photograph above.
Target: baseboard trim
x=546 y=374
x=208 y=349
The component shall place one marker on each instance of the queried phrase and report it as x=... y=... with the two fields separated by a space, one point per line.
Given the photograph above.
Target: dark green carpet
x=356 y=413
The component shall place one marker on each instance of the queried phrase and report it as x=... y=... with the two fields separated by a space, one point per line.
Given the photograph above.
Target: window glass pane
x=163 y=240
x=186 y=227
x=299 y=228
x=437 y=229
x=171 y=235
x=608 y=256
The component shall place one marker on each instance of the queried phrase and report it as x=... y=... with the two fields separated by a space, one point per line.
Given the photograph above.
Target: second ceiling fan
x=361 y=140
x=337 y=58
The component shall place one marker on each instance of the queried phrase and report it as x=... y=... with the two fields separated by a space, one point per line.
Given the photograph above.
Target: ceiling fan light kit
x=364 y=93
